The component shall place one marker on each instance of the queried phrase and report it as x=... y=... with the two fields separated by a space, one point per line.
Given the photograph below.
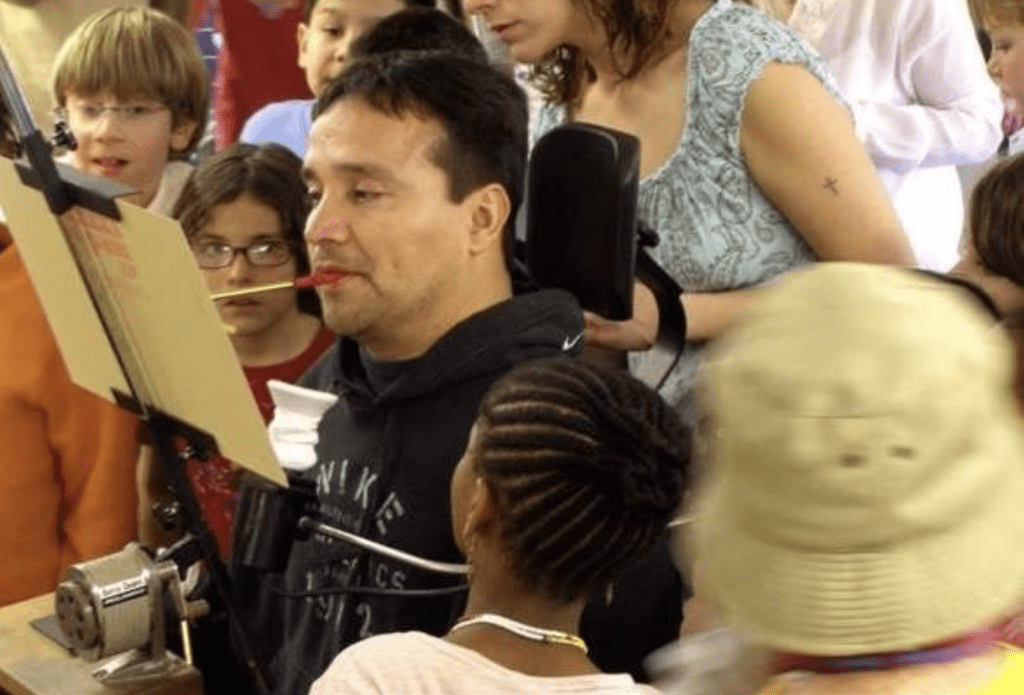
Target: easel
x=121 y=290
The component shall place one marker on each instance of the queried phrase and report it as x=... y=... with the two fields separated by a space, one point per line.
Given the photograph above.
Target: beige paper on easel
x=156 y=307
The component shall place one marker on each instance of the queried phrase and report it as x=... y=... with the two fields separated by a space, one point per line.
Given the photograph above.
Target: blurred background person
x=255 y=61
x=861 y=514
x=325 y=39
x=913 y=74
x=1003 y=21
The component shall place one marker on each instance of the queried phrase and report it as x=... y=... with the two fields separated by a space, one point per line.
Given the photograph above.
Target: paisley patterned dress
x=718 y=231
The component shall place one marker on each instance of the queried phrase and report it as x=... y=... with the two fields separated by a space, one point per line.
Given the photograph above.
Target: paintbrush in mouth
x=321 y=277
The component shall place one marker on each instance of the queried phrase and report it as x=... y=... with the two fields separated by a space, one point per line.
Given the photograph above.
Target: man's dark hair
x=483 y=113
x=588 y=466
x=311 y=5
x=419 y=29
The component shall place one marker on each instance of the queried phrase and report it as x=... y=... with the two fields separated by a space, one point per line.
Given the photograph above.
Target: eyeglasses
x=265 y=253
x=89 y=113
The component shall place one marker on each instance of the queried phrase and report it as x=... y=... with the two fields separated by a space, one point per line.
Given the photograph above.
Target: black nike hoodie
x=385 y=457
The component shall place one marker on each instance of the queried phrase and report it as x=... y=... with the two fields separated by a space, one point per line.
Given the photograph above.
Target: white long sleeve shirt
x=922 y=98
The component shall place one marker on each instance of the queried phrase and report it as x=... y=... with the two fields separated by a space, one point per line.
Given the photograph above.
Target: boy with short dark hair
x=324 y=38
x=418 y=29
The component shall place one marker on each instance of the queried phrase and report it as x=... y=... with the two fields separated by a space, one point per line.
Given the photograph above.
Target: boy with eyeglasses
x=132 y=86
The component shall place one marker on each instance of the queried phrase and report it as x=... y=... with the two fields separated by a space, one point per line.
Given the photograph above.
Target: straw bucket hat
x=867 y=485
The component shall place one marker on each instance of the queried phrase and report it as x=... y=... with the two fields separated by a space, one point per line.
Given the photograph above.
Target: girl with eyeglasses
x=243 y=211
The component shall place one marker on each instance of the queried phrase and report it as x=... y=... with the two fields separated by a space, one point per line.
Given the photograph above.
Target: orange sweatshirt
x=67 y=457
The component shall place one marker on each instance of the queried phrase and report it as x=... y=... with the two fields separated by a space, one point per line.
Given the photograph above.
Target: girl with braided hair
x=572 y=472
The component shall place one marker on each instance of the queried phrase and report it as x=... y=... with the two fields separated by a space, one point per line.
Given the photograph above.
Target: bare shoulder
x=786 y=93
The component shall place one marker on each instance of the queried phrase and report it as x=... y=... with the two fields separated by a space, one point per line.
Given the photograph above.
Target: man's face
x=334 y=24
x=382 y=216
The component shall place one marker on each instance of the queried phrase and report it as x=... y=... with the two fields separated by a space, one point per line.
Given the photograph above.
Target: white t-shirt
x=414 y=663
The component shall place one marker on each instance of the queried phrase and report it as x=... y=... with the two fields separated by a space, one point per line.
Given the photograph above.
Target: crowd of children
x=751 y=170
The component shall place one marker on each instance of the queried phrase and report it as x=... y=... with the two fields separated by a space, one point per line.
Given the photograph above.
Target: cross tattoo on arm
x=832 y=185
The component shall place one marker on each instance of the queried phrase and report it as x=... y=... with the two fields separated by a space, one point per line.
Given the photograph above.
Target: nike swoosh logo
x=569 y=343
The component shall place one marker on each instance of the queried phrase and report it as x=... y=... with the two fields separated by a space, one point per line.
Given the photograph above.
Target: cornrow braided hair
x=588 y=465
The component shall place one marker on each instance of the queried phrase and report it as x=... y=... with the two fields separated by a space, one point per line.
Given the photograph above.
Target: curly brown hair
x=636 y=30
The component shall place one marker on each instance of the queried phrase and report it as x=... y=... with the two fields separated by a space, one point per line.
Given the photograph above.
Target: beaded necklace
x=530 y=632
x=952 y=650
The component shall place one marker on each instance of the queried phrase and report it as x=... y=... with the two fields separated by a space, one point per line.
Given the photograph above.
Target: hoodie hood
x=521 y=328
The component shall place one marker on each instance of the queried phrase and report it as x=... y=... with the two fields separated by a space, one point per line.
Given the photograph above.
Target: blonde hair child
x=134 y=90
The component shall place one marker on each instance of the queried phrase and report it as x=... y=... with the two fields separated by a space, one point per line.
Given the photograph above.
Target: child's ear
x=483 y=508
x=301 y=37
x=181 y=135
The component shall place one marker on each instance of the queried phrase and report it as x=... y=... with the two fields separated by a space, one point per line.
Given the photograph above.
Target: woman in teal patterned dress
x=750 y=163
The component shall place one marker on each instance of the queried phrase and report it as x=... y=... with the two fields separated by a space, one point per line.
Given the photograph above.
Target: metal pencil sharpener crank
x=113 y=606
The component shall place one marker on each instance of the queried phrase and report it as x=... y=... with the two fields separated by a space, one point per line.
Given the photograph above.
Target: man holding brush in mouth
x=415 y=170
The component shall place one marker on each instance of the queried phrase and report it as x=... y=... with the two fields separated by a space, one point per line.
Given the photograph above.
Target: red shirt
x=215 y=482
x=257 y=64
